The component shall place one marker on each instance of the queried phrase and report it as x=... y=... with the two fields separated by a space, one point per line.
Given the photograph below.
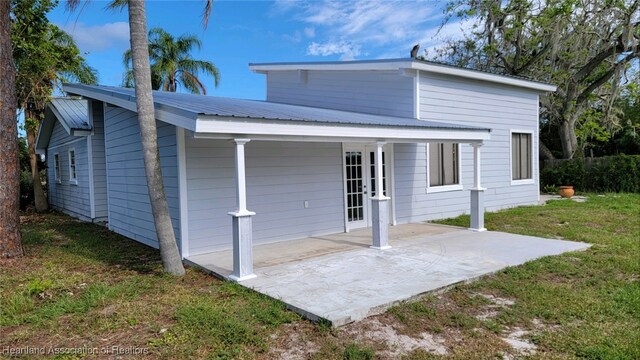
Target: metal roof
x=199 y=106
x=73 y=112
x=408 y=63
x=383 y=61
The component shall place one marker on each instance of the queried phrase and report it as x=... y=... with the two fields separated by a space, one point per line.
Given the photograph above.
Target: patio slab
x=349 y=285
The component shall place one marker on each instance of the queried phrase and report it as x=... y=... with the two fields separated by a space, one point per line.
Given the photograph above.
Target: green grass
x=81 y=285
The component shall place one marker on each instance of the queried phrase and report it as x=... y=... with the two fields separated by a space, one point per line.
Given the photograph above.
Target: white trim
x=241 y=179
x=366 y=205
x=537 y=148
x=57 y=168
x=443 y=188
x=379 y=165
x=92 y=195
x=520 y=181
x=477 y=168
x=344 y=189
x=391 y=182
x=231 y=126
x=399 y=64
x=72 y=180
x=106 y=161
x=65 y=144
x=416 y=95
x=182 y=190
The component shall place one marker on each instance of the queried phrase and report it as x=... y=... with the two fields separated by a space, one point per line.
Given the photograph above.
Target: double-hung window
x=73 y=175
x=443 y=167
x=56 y=167
x=521 y=157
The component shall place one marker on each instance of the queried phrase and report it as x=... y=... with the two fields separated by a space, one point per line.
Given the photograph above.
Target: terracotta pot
x=566 y=191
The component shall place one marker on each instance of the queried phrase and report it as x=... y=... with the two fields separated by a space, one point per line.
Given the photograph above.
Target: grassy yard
x=82 y=287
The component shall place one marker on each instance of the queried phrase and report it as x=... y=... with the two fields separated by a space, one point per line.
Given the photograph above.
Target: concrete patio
x=340 y=279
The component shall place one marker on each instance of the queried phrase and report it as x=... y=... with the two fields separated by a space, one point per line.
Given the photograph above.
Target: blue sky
x=241 y=32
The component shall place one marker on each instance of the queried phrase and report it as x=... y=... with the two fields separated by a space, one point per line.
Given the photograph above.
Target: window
x=444 y=166
x=56 y=167
x=72 y=167
x=521 y=156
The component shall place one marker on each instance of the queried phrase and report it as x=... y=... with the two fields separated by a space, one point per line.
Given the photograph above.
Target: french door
x=359 y=183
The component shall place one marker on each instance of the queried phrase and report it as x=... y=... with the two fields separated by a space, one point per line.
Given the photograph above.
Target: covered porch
x=365 y=169
x=338 y=278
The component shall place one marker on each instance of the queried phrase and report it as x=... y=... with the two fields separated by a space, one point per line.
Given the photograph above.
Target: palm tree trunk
x=171 y=260
x=10 y=241
x=39 y=198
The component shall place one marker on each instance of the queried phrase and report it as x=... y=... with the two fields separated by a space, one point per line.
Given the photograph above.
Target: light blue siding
x=128 y=197
x=281 y=176
x=442 y=98
x=66 y=196
x=99 y=162
x=372 y=92
x=467 y=102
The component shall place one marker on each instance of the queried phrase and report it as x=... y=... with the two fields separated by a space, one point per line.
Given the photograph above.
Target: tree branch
x=604 y=77
x=545 y=153
x=588 y=68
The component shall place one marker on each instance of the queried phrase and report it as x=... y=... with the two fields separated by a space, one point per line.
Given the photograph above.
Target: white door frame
x=366 y=149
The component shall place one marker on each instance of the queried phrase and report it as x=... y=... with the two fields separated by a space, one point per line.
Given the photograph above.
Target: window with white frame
x=444 y=166
x=521 y=156
x=73 y=176
x=56 y=167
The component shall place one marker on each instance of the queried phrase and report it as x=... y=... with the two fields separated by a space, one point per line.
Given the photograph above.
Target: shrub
x=620 y=173
x=26 y=189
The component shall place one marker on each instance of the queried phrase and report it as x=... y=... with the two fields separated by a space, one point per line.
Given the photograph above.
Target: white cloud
x=346 y=50
x=96 y=38
x=382 y=27
x=310 y=32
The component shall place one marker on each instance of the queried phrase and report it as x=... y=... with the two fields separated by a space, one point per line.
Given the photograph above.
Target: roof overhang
x=51 y=115
x=171 y=115
x=407 y=66
x=230 y=127
x=274 y=130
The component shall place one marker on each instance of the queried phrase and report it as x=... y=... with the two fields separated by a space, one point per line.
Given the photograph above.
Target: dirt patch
x=516 y=338
x=502 y=302
x=492 y=310
x=373 y=331
x=293 y=343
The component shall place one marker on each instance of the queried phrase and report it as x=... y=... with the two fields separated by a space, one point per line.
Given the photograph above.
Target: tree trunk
x=10 y=241
x=545 y=153
x=149 y=137
x=39 y=198
x=568 y=138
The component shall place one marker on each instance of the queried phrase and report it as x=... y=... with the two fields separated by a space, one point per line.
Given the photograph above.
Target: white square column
x=380 y=206
x=241 y=222
x=477 y=193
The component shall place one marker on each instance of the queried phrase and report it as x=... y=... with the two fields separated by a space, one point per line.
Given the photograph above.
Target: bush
x=26 y=190
x=620 y=173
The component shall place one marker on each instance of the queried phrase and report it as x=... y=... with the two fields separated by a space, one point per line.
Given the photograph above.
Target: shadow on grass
x=42 y=233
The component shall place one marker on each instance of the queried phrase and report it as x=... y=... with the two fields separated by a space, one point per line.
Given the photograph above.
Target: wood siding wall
x=373 y=92
x=281 y=176
x=129 y=207
x=64 y=196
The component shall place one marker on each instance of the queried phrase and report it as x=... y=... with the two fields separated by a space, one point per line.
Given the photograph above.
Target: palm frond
x=206 y=13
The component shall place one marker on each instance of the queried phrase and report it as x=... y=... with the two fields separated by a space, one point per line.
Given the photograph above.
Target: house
x=438 y=140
